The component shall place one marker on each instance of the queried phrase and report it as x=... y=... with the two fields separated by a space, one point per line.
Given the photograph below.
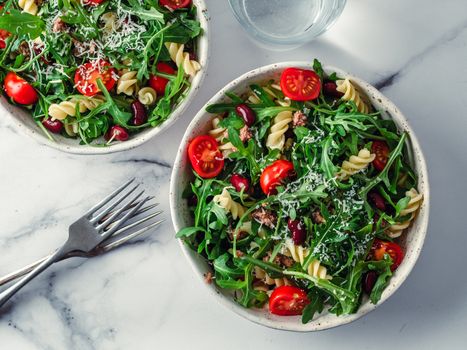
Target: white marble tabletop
x=145 y=296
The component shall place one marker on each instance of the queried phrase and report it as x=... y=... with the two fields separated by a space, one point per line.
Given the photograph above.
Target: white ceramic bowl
x=24 y=123
x=182 y=175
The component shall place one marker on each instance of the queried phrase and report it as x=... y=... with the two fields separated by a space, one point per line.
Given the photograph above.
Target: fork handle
x=28 y=268
x=10 y=291
x=22 y=271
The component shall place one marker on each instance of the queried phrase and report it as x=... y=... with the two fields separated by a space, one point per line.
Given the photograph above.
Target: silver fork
x=86 y=233
x=119 y=238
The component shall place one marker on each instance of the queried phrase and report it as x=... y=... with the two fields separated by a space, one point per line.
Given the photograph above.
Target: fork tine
x=145 y=209
x=136 y=223
x=141 y=211
x=121 y=221
x=118 y=242
x=112 y=219
x=107 y=210
x=108 y=198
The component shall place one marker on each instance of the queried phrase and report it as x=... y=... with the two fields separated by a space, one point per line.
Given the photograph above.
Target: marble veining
x=144 y=295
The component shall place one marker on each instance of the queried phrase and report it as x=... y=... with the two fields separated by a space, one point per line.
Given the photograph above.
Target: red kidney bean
x=330 y=89
x=246 y=113
x=139 y=113
x=239 y=182
x=368 y=281
x=377 y=200
x=117 y=132
x=54 y=126
x=297 y=228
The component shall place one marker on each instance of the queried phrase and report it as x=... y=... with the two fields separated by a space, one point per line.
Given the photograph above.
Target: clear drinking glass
x=286 y=23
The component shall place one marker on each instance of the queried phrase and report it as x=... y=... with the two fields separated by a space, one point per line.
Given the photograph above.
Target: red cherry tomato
x=381 y=149
x=380 y=248
x=3 y=35
x=205 y=156
x=175 y=4
x=300 y=84
x=87 y=74
x=93 y=2
x=159 y=83
x=274 y=174
x=19 y=89
x=288 y=301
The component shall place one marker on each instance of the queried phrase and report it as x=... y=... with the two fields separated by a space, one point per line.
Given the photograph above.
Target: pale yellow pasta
x=225 y=201
x=181 y=58
x=71 y=128
x=262 y=275
x=272 y=91
x=351 y=94
x=244 y=227
x=416 y=198
x=280 y=125
x=299 y=253
x=68 y=108
x=219 y=133
x=147 y=96
x=355 y=163
x=109 y=19
x=29 y=6
x=127 y=83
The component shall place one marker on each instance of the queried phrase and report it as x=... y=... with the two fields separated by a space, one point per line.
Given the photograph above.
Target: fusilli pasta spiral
x=71 y=128
x=272 y=91
x=147 y=95
x=351 y=94
x=68 y=108
x=219 y=133
x=109 y=19
x=224 y=200
x=181 y=58
x=355 y=163
x=245 y=227
x=29 y=6
x=299 y=253
x=127 y=83
x=277 y=282
x=416 y=198
x=280 y=125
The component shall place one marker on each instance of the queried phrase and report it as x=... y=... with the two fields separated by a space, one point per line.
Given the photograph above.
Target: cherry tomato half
x=288 y=301
x=19 y=89
x=380 y=248
x=175 y=4
x=274 y=174
x=381 y=149
x=159 y=83
x=300 y=84
x=205 y=156
x=87 y=74
x=3 y=35
x=93 y=2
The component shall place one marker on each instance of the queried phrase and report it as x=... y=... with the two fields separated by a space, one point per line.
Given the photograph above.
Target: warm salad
x=300 y=193
x=92 y=68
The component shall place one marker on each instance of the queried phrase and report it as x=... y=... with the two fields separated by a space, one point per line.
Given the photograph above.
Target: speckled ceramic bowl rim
x=31 y=129
x=417 y=232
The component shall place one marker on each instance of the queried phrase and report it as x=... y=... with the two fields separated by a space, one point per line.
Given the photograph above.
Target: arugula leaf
x=120 y=117
x=383 y=267
x=182 y=30
x=316 y=305
x=22 y=23
x=189 y=231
